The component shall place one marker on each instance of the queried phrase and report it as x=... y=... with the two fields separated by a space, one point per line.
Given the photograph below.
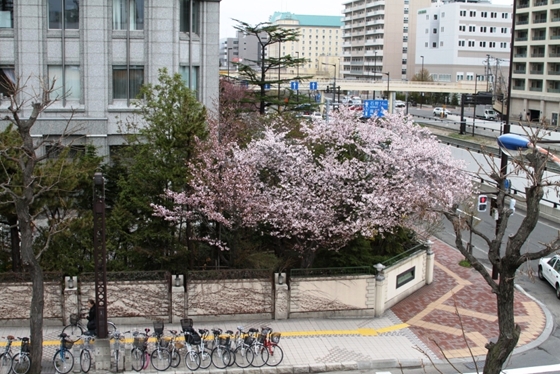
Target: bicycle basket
x=164 y=342
x=25 y=345
x=275 y=337
x=266 y=330
x=186 y=323
x=74 y=318
x=261 y=338
x=158 y=327
x=140 y=342
x=249 y=340
x=223 y=340
x=68 y=344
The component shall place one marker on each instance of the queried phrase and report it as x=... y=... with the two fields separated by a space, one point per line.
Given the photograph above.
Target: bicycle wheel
x=243 y=356
x=275 y=355
x=260 y=355
x=63 y=361
x=161 y=359
x=5 y=363
x=205 y=358
x=85 y=360
x=117 y=359
x=111 y=328
x=137 y=359
x=21 y=363
x=221 y=357
x=175 y=358
x=192 y=360
x=73 y=331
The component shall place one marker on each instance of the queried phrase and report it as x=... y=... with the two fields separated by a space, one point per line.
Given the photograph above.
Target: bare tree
x=532 y=164
x=28 y=175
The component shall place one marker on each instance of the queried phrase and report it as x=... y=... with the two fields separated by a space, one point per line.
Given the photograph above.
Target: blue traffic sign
x=267 y=86
x=312 y=85
x=375 y=108
x=294 y=85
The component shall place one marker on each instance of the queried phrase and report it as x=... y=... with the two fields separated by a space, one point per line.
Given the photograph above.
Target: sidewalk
x=426 y=326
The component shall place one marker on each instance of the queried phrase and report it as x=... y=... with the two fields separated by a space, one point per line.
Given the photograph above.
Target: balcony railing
x=554 y=72
x=537 y=54
x=521 y=39
x=536 y=89
x=538 y=72
x=555 y=37
x=519 y=88
x=523 y=55
x=554 y=54
x=553 y=90
x=522 y=22
x=555 y=1
x=520 y=71
x=540 y=20
x=539 y=37
x=541 y=3
x=524 y=5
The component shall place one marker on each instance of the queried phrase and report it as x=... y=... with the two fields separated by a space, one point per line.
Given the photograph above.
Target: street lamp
x=389 y=106
x=374 y=71
x=334 y=79
x=228 y=58
x=422 y=80
x=474 y=107
x=297 y=67
x=100 y=254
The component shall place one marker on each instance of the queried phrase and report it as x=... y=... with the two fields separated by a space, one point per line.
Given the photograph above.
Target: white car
x=438 y=112
x=549 y=269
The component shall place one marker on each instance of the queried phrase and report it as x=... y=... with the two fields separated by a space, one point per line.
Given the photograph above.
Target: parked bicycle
x=85 y=353
x=260 y=353
x=221 y=354
x=140 y=358
x=63 y=359
x=161 y=357
x=6 y=356
x=270 y=341
x=199 y=342
x=76 y=329
x=174 y=348
x=118 y=338
x=21 y=362
x=243 y=354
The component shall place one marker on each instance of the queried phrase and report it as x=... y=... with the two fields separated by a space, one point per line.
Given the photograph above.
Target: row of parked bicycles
x=199 y=348
x=18 y=363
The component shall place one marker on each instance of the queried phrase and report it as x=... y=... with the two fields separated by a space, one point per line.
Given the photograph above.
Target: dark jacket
x=91 y=319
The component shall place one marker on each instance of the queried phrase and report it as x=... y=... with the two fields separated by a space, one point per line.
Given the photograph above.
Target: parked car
x=549 y=270
x=439 y=110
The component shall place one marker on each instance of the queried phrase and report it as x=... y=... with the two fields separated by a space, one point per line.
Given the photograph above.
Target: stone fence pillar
x=70 y=299
x=380 y=290
x=281 y=296
x=430 y=262
x=177 y=298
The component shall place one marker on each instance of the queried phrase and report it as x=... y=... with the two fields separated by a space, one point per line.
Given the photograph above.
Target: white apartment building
x=535 y=91
x=465 y=41
x=101 y=52
x=376 y=38
x=319 y=43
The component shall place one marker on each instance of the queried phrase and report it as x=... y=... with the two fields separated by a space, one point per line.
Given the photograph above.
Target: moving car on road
x=441 y=112
x=549 y=269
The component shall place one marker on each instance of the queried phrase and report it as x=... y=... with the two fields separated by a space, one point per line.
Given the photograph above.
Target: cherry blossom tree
x=332 y=182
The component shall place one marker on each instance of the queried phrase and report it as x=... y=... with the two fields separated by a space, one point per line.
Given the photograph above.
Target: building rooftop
x=308 y=20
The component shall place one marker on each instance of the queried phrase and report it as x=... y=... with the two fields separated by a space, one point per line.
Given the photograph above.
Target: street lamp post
x=228 y=58
x=422 y=80
x=297 y=67
x=389 y=106
x=474 y=107
x=374 y=71
x=334 y=80
x=100 y=255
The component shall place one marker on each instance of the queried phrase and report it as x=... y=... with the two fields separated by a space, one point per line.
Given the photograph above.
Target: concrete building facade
x=535 y=91
x=465 y=41
x=100 y=52
x=378 y=37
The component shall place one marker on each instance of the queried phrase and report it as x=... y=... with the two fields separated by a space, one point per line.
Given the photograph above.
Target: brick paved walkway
x=461 y=297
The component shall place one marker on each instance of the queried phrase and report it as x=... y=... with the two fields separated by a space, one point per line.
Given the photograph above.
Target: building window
x=484 y=14
x=434 y=31
x=505 y=15
x=462 y=28
x=472 y=13
x=71 y=17
x=482 y=44
x=504 y=30
x=492 y=29
x=493 y=15
x=503 y=45
x=190 y=78
x=7 y=80
x=463 y=13
x=434 y=45
x=460 y=77
x=492 y=44
x=483 y=29
x=435 y=16
x=461 y=43
x=127 y=82
x=67 y=86
x=128 y=14
x=6 y=14
x=471 y=43
x=190 y=16
x=472 y=28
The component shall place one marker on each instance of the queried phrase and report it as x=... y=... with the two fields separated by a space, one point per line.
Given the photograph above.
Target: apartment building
x=319 y=43
x=376 y=37
x=243 y=48
x=459 y=40
x=101 y=52
x=535 y=91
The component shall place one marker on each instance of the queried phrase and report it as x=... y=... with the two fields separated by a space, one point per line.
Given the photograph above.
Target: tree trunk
x=509 y=331
x=37 y=296
x=15 y=243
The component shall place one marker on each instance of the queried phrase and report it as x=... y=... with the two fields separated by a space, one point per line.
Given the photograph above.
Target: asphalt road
x=548 y=352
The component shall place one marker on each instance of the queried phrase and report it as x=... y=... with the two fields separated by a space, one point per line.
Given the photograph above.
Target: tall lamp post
x=390 y=107
x=476 y=76
x=100 y=254
x=422 y=80
x=374 y=71
x=228 y=58
x=334 y=84
x=297 y=91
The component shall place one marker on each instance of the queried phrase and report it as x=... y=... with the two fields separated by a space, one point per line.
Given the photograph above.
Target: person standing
x=91 y=325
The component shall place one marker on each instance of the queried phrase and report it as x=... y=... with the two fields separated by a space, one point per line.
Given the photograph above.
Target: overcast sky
x=256 y=11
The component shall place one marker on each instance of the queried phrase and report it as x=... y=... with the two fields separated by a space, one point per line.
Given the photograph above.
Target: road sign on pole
x=313 y=85
x=374 y=108
x=294 y=85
